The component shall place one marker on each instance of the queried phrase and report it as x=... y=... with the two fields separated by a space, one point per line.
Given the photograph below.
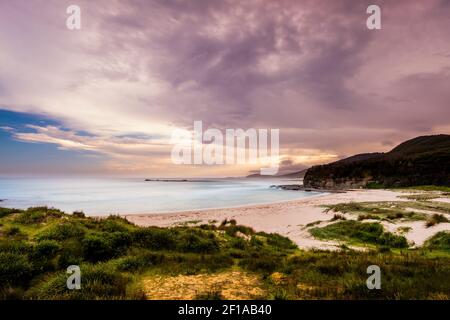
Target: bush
x=12 y=231
x=6 y=212
x=46 y=248
x=361 y=232
x=440 y=241
x=15 y=269
x=238 y=243
x=97 y=247
x=391 y=240
x=136 y=263
x=154 y=238
x=266 y=264
x=30 y=217
x=98 y=281
x=62 y=231
x=17 y=247
x=278 y=241
x=114 y=224
x=79 y=214
x=102 y=246
x=436 y=219
x=191 y=242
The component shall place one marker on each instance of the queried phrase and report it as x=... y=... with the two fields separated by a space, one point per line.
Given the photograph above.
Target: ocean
x=103 y=196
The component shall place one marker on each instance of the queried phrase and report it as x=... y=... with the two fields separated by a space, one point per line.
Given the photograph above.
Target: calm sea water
x=111 y=196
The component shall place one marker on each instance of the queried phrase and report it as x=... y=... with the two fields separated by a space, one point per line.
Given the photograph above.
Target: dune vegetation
x=120 y=260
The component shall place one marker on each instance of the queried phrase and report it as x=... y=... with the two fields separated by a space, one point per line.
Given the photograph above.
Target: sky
x=105 y=99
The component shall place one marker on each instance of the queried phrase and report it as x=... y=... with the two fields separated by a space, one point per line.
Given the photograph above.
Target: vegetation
x=440 y=241
x=435 y=219
x=120 y=260
x=416 y=162
x=360 y=233
x=388 y=210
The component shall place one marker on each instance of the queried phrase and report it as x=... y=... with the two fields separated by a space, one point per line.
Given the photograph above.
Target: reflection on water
x=110 y=196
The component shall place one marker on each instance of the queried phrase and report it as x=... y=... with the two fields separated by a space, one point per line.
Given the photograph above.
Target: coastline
x=289 y=218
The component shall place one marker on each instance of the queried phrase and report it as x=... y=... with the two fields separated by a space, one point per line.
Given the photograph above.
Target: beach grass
x=119 y=260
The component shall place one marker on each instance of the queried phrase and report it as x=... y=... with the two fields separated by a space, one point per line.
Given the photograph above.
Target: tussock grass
x=435 y=219
x=359 y=233
x=120 y=260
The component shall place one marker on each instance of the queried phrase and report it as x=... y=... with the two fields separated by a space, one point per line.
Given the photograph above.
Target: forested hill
x=420 y=161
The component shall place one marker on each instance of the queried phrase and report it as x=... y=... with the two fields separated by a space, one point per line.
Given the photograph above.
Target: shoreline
x=289 y=218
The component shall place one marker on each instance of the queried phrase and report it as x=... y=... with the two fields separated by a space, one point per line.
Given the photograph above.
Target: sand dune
x=290 y=218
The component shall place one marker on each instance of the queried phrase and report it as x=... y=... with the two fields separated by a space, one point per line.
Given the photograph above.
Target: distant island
x=423 y=160
x=177 y=180
x=292 y=175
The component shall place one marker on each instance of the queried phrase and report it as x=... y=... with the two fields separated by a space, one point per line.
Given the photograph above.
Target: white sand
x=289 y=218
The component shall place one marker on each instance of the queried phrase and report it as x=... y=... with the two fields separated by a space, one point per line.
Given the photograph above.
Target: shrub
x=391 y=240
x=6 y=211
x=191 y=242
x=30 y=217
x=15 y=269
x=114 y=224
x=136 y=263
x=233 y=229
x=62 y=231
x=278 y=241
x=338 y=217
x=436 y=219
x=98 y=281
x=440 y=241
x=97 y=247
x=102 y=245
x=266 y=264
x=79 y=214
x=154 y=238
x=361 y=232
x=238 y=243
x=17 y=247
x=46 y=248
x=12 y=231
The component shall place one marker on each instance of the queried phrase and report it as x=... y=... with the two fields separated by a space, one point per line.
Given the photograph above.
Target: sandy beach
x=290 y=218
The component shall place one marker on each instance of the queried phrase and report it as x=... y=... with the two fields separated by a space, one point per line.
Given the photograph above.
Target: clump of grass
x=312 y=224
x=421 y=197
x=99 y=281
x=404 y=230
x=362 y=217
x=440 y=241
x=435 y=219
x=388 y=210
x=6 y=212
x=338 y=217
x=12 y=231
x=62 y=231
x=430 y=188
x=358 y=232
x=79 y=214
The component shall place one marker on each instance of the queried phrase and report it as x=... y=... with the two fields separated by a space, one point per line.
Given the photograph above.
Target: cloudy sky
x=105 y=99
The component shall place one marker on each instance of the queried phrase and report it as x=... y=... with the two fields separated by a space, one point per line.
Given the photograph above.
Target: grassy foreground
x=120 y=260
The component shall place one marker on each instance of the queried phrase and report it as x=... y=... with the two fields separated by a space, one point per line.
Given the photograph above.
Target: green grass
x=440 y=241
x=389 y=211
x=115 y=256
x=421 y=196
x=359 y=233
x=429 y=188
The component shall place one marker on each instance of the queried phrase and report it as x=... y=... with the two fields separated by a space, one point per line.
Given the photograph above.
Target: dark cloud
x=310 y=68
